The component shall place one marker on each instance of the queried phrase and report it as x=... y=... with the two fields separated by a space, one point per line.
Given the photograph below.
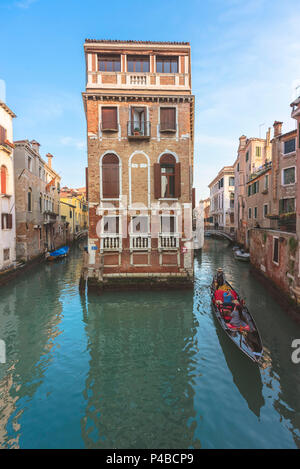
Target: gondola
x=246 y=339
x=58 y=254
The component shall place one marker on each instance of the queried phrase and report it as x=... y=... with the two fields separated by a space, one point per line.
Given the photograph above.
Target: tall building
x=38 y=225
x=140 y=131
x=7 y=189
x=252 y=177
x=222 y=199
x=271 y=205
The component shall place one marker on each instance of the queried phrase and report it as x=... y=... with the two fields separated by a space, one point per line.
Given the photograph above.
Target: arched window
x=29 y=200
x=3 y=179
x=110 y=177
x=167 y=177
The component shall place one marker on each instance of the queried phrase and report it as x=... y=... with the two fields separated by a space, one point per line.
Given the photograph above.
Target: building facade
x=140 y=128
x=37 y=185
x=7 y=190
x=252 y=180
x=272 y=196
x=222 y=199
x=74 y=209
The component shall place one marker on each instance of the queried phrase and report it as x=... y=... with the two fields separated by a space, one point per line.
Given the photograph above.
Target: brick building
x=140 y=124
x=7 y=190
x=252 y=177
x=222 y=199
x=272 y=196
x=37 y=185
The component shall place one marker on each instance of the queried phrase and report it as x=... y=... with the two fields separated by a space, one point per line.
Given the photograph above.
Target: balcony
x=111 y=242
x=7 y=146
x=138 y=131
x=49 y=216
x=140 y=242
x=168 y=241
x=287 y=222
x=129 y=80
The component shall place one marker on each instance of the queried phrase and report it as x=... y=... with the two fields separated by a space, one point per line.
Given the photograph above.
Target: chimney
x=277 y=128
x=36 y=146
x=242 y=140
x=49 y=156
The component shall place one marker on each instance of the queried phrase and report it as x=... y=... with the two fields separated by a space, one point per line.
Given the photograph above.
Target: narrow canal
x=142 y=369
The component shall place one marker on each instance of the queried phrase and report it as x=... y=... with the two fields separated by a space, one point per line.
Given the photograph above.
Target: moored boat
x=241 y=255
x=246 y=338
x=58 y=254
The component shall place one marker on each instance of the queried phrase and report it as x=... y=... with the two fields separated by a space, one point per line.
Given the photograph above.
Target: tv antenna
x=260 y=126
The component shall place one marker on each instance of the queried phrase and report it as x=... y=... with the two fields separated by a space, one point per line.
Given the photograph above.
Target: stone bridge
x=221 y=233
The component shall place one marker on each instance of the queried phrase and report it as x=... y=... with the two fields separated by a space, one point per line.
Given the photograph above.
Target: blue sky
x=245 y=66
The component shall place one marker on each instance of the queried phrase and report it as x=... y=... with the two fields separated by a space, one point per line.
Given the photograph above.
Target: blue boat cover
x=60 y=252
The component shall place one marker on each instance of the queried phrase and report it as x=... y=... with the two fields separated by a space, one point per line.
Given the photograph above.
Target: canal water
x=142 y=369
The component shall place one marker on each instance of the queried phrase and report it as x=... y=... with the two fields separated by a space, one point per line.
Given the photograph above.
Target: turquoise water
x=142 y=369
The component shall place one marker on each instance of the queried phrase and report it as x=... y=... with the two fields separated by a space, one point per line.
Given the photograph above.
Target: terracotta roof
x=7 y=109
x=118 y=41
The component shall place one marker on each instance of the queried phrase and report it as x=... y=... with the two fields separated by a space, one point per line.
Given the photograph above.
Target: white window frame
x=175 y=224
x=249 y=212
x=265 y=205
x=131 y=224
x=255 y=209
x=282 y=176
x=103 y=233
x=273 y=245
x=161 y=135
x=120 y=176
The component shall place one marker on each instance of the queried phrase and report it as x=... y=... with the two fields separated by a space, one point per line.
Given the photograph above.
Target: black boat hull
x=248 y=342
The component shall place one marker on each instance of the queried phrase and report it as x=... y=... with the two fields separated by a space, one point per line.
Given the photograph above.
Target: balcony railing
x=140 y=242
x=168 y=241
x=111 y=242
x=138 y=79
x=138 y=131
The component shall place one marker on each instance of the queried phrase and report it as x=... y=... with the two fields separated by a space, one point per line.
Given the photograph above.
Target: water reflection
x=138 y=389
x=142 y=369
x=246 y=374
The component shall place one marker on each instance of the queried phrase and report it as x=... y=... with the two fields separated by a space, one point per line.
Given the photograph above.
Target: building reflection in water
x=138 y=389
x=29 y=326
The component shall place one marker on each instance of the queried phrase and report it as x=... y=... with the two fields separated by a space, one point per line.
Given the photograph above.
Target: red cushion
x=219 y=295
x=246 y=328
x=227 y=318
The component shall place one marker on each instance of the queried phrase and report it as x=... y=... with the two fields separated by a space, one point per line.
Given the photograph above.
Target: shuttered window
x=110 y=177
x=167 y=178
x=2 y=134
x=3 y=180
x=6 y=221
x=109 y=118
x=168 y=119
